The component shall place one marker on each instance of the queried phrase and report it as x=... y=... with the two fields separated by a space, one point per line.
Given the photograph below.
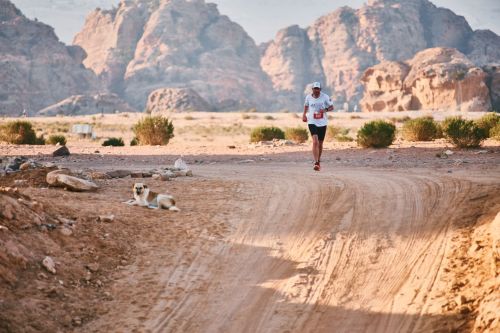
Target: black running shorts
x=319 y=131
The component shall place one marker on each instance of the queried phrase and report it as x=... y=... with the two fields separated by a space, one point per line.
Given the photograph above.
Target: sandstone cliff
x=340 y=46
x=143 y=46
x=36 y=69
x=435 y=79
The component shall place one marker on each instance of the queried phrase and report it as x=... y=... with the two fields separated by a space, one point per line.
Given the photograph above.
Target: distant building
x=84 y=131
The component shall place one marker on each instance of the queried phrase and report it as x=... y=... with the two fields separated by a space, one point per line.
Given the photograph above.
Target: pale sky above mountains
x=260 y=18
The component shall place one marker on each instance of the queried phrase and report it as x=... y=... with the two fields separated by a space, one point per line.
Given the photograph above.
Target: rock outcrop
x=340 y=46
x=36 y=69
x=143 y=46
x=176 y=100
x=87 y=104
x=435 y=79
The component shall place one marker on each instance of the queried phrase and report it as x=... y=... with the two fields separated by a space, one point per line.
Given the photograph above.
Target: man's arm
x=304 y=115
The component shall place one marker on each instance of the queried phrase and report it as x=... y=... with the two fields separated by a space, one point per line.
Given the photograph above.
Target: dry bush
x=297 y=134
x=376 y=134
x=154 y=131
x=488 y=121
x=339 y=134
x=463 y=133
x=20 y=132
x=114 y=142
x=266 y=134
x=421 y=129
x=495 y=132
x=56 y=139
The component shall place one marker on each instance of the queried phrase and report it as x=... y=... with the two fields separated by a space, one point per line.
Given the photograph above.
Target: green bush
x=115 y=142
x=488 y=121
x=154 y=131
x=134 y=142
x=337 y=133
x=495 y=132
x=421 y=129
x=55 y=139
x=463 y=133
x=18 y=132
x=376 y=134
x=266 y=134
x=269 y=117
x=297 y=134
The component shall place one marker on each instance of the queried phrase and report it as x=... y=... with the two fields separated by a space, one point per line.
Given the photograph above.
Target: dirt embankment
x=257 y=247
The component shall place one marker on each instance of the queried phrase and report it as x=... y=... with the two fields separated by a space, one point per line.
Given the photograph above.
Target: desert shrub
x=155 y=130
x=188 y=117
x=115 y=142
x=400 y=119
x=266 y=134
x=376 y=134
x=268 y=117
x=19 y=132
x=56 y=139
x=297 y=134
x=495 y=132
x=134 y=142
x=340 y=134
x=421 y=129
x=355 y=116
x=488 y=121
x=463 y=133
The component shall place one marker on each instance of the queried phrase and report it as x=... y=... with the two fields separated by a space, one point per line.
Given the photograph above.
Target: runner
x=315 y=108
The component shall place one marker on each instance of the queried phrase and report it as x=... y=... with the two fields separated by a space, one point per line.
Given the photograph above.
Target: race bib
x=318 y=115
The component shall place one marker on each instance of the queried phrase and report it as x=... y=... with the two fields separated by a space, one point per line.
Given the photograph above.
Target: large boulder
x=143 y=46
x=61 y=178
x=435 y=79
x=37 y=70
x=87 y=104
x=174 y=100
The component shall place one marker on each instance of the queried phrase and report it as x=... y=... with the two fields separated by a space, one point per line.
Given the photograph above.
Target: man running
x=315 y=108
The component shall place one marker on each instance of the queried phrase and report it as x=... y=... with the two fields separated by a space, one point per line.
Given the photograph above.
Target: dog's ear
x=145 y=186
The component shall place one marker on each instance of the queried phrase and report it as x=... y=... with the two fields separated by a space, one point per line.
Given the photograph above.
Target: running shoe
x=317 y=167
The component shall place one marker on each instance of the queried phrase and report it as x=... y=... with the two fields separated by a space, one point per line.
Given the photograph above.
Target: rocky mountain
x=167 y=100
x=340 y=46
x=435 y=79
x=87 y=104
x=36 y=69
x=142 y=46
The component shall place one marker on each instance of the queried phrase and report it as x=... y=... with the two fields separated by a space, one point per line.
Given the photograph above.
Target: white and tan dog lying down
x=145 y=198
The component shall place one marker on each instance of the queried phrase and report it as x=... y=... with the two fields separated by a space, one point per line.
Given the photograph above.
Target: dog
x=145 y=198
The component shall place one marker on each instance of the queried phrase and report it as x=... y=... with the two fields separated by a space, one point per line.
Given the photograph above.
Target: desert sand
x=388 y=240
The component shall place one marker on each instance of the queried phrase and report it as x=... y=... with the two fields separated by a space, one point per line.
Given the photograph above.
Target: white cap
x=316 y=85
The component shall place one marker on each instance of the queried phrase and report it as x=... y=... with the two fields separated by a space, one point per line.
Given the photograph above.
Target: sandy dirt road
x=346 y=250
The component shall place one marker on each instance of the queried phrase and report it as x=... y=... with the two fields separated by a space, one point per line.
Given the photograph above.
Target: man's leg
x=320 y=149
x=315 y=148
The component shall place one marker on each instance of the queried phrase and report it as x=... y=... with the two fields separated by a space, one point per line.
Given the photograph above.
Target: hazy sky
x=260 y=18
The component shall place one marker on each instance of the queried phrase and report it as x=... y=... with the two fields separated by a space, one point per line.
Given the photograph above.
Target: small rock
x=99 y=175
x=66 y=231
x=156 y=176
x=62 y=151
x=119 y=173
x=246 y=161
x=77 y=321
x=49 y=265
x=136 y=175
x=3 y=228
x=180 y=164
x=123 y=262
x=41 y=276
x=464 y=309
x=25 y=166
x=93 y=267
x=460 y=300
x=189 y=173
x=231 y=147
x=164 y=177
x=448 y=152
x=20 y=182
x=106 y=218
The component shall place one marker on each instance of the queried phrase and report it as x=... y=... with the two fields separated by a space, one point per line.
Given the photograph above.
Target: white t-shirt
x=316 y=104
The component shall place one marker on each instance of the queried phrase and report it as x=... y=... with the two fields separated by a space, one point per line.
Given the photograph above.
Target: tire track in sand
x=343 y=250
